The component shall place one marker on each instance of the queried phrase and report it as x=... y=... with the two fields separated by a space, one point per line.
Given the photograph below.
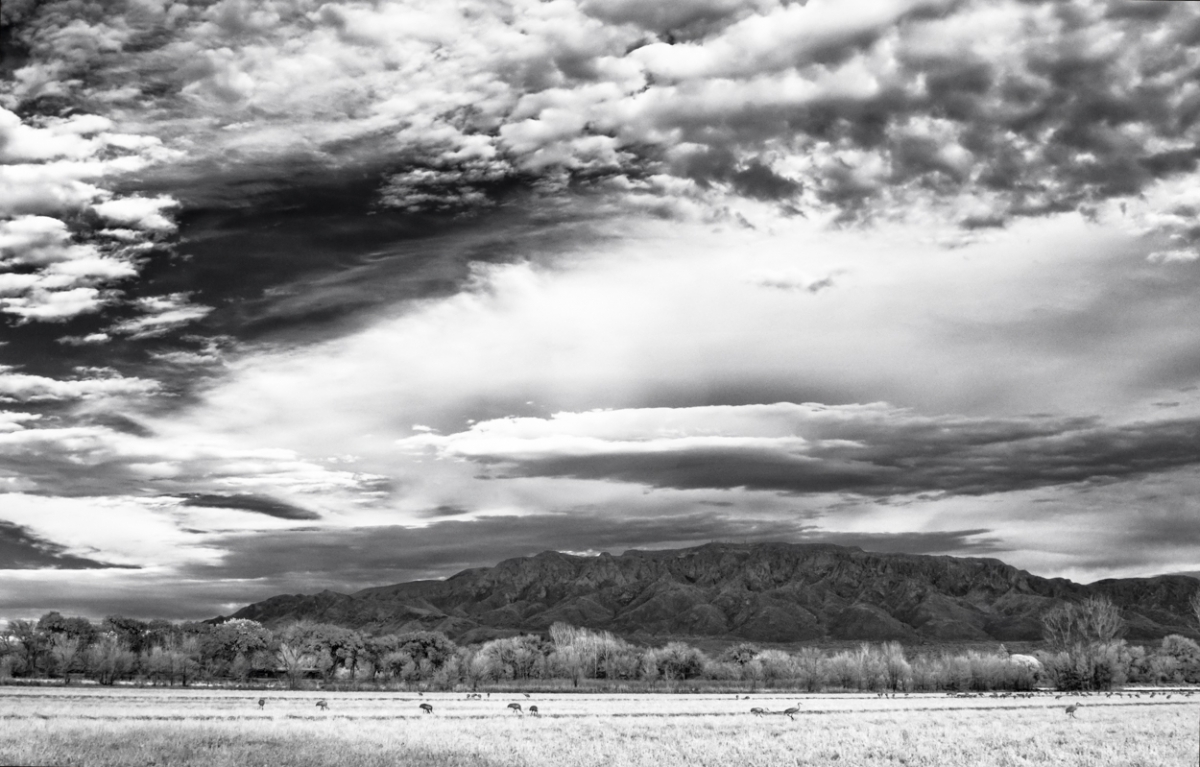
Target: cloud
x=142 y=212
x=794 y=280
x=89 y=383
x=391 y=554
x=159 y=315
x=52 y=172
x=65 y=276
x=125 y=531
x=872 y=450
x=783 y=37
x=448 y=214
x=144 y=594
x=21 y=550
x=253 y=503
x=895 y=105
x=104 y=456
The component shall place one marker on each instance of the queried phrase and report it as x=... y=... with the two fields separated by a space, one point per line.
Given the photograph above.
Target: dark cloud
x=864 y=454
x=22 y=550
x=144 y=596
x=393 y=554
x=351 y=559
x=254 y=503
x=760 y=182
x=292 y=562
x=689 y=19
x=975 y=543
x=447 y=511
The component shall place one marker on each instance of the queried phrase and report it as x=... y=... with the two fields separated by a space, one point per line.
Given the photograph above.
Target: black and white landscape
x=302 y=296
x=725 y=594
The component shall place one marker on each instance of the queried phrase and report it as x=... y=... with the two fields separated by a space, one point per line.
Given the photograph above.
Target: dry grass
x=124 y=727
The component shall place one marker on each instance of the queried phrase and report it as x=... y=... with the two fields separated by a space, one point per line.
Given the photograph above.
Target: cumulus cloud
x=891 y=106
x=872 y=450
x=51 y=172
x=88 y=384
x=45 y=275
x=141 y=212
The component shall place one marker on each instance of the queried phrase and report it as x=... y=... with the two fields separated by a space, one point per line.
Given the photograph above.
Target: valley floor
x=106 y=727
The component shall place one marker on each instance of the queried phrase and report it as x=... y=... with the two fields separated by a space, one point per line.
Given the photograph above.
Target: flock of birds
x=791 y=711
x=427 y=708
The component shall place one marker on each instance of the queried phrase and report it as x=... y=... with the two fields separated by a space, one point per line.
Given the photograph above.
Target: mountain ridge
x=764 y=592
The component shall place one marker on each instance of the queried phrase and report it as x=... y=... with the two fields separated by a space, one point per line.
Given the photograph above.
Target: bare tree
x=64 y=650
x=293 y=659
x=1194 y=603
x=1093 y=621
x=1086 y=635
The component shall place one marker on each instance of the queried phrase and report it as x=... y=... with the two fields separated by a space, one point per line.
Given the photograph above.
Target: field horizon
x=157 y=726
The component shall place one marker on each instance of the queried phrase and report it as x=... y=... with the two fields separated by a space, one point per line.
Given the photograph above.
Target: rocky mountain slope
x=760 y=592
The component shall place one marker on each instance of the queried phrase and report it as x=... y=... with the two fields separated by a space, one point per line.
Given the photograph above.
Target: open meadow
x=124 y=727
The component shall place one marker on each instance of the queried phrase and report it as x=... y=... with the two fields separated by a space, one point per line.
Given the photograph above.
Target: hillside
x=760 y=592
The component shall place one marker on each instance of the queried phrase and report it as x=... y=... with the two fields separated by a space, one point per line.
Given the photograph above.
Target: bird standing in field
x=261 y=702
x=533 y=710
x=428 y=709
x=1071 y=709
x=791 y=712
x=321 y=704
x=516 y=707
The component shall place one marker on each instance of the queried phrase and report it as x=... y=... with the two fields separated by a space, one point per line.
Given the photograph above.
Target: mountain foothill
x=769 y=593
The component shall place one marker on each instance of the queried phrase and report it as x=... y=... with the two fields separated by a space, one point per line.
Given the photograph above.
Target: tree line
x=1083 y=650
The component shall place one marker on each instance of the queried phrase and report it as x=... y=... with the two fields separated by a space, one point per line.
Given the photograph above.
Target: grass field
x=98 y=727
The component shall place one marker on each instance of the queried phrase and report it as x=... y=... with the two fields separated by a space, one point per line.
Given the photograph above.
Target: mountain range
x=768 y=592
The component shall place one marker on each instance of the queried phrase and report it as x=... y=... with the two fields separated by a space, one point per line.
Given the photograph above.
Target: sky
x=301 y=295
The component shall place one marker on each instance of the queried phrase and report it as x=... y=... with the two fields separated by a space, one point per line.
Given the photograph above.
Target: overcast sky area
x=298 y=295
